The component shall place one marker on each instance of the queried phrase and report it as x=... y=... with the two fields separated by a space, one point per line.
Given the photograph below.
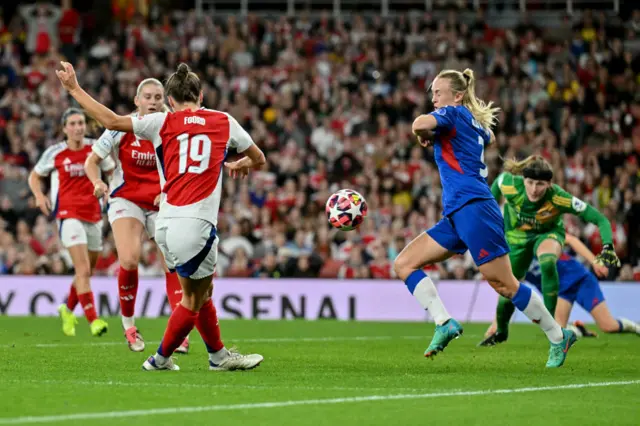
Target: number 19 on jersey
x=197 y=148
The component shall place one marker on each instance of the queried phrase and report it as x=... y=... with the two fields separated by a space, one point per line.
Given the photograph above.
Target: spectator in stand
x=41 y=19
x=330 y=102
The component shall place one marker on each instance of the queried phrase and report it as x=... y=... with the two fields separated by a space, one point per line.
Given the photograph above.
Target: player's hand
x=67 y=76
x=238 y=169
x=425 y=138
x=100 y=189
x=44 y=204
x=156 y=201
x=600 y=270
x=608 y=257
x=424 y=143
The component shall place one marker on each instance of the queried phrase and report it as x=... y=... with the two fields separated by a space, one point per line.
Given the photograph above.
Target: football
x=346 y=209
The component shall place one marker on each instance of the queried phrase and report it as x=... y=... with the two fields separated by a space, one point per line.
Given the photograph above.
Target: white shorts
x=120 y=207
x=189 y=246
x=75 y=231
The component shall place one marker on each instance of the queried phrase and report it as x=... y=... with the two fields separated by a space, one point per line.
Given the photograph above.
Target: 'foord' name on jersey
x=195 y=120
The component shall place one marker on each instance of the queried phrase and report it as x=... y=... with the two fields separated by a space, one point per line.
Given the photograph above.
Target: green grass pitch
x=315 y=373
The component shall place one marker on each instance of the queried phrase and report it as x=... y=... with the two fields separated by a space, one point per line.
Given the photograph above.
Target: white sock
x=427 y=295
x=128 y=322
x=536 y=312
x=219 y=356
x=629 y=326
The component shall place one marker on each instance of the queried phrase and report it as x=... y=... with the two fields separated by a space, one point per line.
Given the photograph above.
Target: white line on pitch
x=212 y=386
x=279 y=404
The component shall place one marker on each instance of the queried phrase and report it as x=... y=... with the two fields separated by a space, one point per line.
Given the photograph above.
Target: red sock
x=127 y=289
x=174 y=289
x=207 y=324
x=180 y=324
x=72 y=300
x=86 y=300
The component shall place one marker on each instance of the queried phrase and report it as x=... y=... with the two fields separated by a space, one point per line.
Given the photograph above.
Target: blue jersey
x=459 y=152
x=570 y=272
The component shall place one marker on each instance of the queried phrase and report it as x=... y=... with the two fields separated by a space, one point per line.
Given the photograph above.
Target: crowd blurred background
x=330 y=101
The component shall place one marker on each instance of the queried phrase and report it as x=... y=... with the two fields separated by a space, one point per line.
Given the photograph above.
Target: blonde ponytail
x=485 y=114
x=465 y=83
x=515 y=167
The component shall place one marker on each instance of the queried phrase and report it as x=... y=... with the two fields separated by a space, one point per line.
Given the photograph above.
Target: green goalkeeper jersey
x=545 y=215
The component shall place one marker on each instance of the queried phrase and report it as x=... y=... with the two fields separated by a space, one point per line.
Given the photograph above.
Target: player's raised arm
x=570 y=204
x=104 y=115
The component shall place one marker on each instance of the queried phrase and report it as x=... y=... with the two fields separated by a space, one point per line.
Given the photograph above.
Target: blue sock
x=620 y=325
x=522 y=297
x=160 y=350
x=414 y=279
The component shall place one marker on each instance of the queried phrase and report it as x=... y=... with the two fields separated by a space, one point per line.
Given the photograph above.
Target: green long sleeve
x=567 y=203
x=592 y=215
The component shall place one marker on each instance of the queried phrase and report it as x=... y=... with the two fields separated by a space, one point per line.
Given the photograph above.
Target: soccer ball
x=346 y=209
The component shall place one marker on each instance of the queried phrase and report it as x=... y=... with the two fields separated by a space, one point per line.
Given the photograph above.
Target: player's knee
x=82 y=270
x=499 y=274
x=129 y=261
x=504 y=289
x=194 y=296
x=402 y=267
x=504 y=283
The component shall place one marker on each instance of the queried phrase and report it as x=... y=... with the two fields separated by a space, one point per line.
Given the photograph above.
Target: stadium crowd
x=331 y=103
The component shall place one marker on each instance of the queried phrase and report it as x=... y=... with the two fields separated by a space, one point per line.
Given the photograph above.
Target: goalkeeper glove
x=608 y=257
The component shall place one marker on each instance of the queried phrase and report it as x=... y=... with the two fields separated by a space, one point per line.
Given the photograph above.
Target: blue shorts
x=477 y=227
x=586 y=292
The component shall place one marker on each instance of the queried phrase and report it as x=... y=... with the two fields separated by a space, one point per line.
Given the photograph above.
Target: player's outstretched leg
x=421 y=251
x=220 y=358
x=498 y=274
x=607 y=323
